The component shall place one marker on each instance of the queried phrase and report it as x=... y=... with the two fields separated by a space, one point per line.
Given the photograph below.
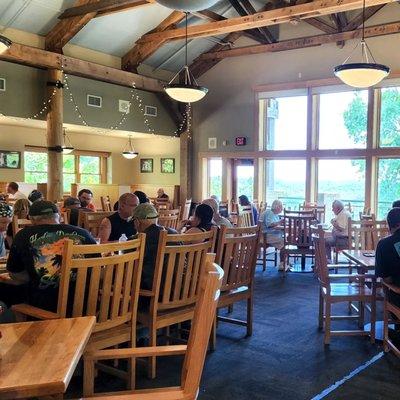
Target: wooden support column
x=185 y=167
x=55 y=136
x=227 y=167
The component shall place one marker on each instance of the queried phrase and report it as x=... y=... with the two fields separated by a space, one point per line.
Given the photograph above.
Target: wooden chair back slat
x=298 y=228
x=237 y=255
x=169 y=218
x=106 y=203
x=246 y=218
x=19 y=223
x=106 y=281
x=179 y=263
x=321 y=264
x=365 y=234
x=91 y=220
x=320 y=210
x=186 y=210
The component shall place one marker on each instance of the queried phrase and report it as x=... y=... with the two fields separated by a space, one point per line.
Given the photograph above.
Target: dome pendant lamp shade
x=67 y=147
x=5 y=44
x=365 y=73
x=129 y=152
x=189 y=90
x=187 y=5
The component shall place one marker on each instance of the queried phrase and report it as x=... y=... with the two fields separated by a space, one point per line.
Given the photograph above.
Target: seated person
x=245 y=202
x=34 y=261
x=218 y=219
x=272 y=225
x=146 y=221
x=202 y=221
x=6 y=213
x=21 y=210
x=121 y=222
x=141 y=196
x=13 y=191
x=85 y=196
x=73 y=204
x=161 y=194
x=340 y=224
x=396 y=203
x=35 y=195
x=387 y=256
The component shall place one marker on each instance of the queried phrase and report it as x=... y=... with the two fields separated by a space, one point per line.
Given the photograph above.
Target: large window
x=343 y=120
x=390 y=117
x=245 y=179
x=215 y=177
x=343 y=180
x=286 y=123
x=35 y=165
x=286 y=181
x=388 y=187
x=89 y=169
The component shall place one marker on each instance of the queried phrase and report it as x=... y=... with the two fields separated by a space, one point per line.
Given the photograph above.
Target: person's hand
x=5 y=277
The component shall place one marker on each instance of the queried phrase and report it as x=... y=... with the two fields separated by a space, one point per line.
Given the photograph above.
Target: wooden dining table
x=37 y=359
x=363 y=258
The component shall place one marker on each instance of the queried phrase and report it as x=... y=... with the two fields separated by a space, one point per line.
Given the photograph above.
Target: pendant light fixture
x=189 y=91
x=67 y=147
x=5 y=44
x=365 y=73
x=185 y=5
x=129 y=152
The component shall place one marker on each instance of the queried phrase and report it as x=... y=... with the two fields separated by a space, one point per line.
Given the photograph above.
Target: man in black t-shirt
x=34 y=261
x=387 y=262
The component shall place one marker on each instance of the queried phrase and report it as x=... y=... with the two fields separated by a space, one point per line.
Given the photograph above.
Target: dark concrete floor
x=285 y=358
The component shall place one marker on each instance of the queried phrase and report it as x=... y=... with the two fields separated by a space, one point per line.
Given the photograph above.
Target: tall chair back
x=298 y=228
x=246 y=218
x=19 y=223
x=365 y=234
x=321 y=263
x=186 y=210
x=320 y=210
x=106 y=203
x=169 y=218
x=162 y=204
x=106 y=280
x=91 y=220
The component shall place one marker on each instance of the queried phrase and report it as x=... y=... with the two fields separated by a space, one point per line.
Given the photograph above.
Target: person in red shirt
x=85 y=197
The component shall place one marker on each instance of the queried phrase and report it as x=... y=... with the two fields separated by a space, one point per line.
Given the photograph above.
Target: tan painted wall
x=123 y=171
x=228 y=110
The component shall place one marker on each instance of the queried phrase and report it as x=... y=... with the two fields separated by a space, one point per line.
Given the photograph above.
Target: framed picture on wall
x=168 y=165
x=146 y=165
x=10 y=159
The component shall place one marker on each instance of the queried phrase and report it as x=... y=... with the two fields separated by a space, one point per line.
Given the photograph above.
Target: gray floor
x=285 y=358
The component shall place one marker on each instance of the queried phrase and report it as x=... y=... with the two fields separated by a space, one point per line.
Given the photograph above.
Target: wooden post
x=185 y=167
x=54 y=136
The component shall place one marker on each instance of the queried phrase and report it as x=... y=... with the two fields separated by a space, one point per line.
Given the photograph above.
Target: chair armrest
x=354 y=276
x=34 y=312
x=117 y=354
x=144 y=292
x=392 y=287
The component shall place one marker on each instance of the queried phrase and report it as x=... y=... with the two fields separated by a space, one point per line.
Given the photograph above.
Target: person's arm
x=17 y=264
x=104 y=230
x=193 y=230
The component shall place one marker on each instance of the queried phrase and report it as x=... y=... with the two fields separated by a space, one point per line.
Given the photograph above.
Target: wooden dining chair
x=19 y=223
x=169 y=218
x=65 y=216
x=195 y=350
x=391 y=315
x=320 y=210
x=106 y=203
x=91 y=220
x=333 y=291
x=237 y=256
x=162 y=204
x=101 y=281
x=186 y=209
x=175 y=288
x=246 y=218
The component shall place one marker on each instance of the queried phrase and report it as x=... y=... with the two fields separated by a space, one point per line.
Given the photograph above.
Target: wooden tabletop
x=359 y=257
x=38 y=358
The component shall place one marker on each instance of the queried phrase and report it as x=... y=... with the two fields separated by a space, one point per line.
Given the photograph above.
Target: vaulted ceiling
x=144 y=31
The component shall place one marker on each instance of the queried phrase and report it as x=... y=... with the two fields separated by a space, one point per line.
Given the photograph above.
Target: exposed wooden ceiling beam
x=321 y=25
x=209 y=15
x=310 y=41
x=102 y=7
x=66 y=29
x=39 y=58
x=265 y=31
x=136 y=55
x=357 y=20
x=266 y=18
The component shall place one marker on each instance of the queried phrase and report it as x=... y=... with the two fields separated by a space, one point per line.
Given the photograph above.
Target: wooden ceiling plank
x=39 y=58
x=357 y=20
x=291 y=44
x=321 y=25
x=136 y=55
x=266 y=18
x=103 y=7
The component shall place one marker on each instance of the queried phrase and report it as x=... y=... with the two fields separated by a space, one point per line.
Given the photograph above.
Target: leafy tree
x=355 y=121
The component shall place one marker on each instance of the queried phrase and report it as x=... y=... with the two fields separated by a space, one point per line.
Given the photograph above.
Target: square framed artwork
x=10 y=159
x=168 y=165
x=146 y=165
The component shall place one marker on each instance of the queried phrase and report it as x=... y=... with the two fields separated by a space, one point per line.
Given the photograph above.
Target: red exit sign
x=240 y=141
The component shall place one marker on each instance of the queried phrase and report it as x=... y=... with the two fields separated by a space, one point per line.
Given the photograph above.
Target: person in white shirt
x=340 y=224
x=13 y=192
x=218 y=219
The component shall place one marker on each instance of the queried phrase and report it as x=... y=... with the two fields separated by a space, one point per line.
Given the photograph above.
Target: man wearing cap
x=34 y=261
x=146 y=221
x=121 y=222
